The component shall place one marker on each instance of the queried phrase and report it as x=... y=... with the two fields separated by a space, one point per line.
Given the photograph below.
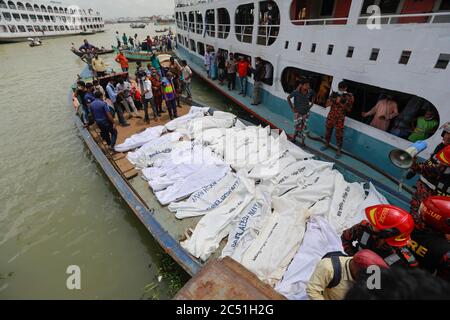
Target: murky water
x=56 y=207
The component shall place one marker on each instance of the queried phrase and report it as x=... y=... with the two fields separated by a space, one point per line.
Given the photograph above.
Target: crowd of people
x=231 y=68
x=163 y=43
x=147 y=90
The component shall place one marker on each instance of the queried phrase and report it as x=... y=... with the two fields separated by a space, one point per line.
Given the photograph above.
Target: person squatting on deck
x=124 y=90
x=341 y=103
x=434 y=174
x=303 y=101
x=387 y=232
x=104 y=120
x=336 y=273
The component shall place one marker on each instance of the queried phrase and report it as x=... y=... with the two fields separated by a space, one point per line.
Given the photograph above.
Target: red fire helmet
x=435 y=212
x=444 y=156
x=393 y=224
x=366 y=258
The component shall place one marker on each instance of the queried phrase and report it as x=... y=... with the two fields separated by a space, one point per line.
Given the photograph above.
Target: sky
x=126 y=8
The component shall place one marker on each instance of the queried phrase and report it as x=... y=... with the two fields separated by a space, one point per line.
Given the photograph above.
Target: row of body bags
x=280 y=210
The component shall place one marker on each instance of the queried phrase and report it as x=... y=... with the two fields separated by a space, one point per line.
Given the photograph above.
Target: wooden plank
x=226 y=279
x=124 y=165
x=131 y=174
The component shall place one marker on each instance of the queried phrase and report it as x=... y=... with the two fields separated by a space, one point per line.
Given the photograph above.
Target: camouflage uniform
x=339 y=107
x=434 y=181
x=301 y=125
x=366 y=239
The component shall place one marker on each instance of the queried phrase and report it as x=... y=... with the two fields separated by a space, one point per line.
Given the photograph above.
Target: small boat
x=101 y=51
x=137 y=25
x=35 y=42
x=88 y=32
x=162 y=30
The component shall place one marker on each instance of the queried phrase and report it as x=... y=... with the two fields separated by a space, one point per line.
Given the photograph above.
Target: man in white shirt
x=187 y=78
x=148 y=99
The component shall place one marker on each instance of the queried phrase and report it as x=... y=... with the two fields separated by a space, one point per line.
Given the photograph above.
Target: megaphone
x=404 y=158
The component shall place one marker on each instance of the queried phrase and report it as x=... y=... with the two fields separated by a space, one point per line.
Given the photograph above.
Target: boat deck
x=176 y=228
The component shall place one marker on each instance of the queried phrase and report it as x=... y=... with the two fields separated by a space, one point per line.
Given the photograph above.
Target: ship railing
x=211 y=29
x=244 y=32
x=267 y=34
x=223 y=30
x=192 y=26
x=321 y=21
x=431 y=17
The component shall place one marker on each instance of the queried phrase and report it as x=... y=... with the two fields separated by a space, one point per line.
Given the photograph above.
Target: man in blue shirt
x=87 y=100
x=104 y=119
x=87 y=46
x=112 y=94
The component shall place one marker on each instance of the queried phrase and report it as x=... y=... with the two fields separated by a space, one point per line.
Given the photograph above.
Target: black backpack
x=334 y=256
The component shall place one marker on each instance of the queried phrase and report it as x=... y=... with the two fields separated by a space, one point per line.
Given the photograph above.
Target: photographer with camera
x=341 y=103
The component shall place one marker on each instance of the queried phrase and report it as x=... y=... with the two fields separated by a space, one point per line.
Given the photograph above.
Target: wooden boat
x=99 y=52
x=225 y=279
x=162 y=30
x=134 y=56
x=137 y=26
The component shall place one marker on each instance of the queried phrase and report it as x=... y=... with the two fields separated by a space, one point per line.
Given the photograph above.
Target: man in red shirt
x=149 y=44
x=122 y=60
x=243 y=66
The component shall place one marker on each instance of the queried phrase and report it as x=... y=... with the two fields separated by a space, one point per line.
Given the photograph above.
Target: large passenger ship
x=20 y=20
x=399 y=48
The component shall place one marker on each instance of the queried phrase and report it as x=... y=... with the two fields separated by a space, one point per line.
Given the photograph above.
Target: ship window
x=21 y=28
x=223 y=28
x=50 y=28
x=40 y=18
x=199 y=22
x=313 y=47
x=445 y=5
x=47 y=18
x=374 y=54
x=16 y=16
x=12 y=28
x=20 y=6
x=320 y=83
x=443 y=61
x=327 y=8
x=3 y=28
x=386 y=6
x=269 y=23
x=330 y=49
x=313 y=12
x=43 y=8
x=25 y=17
x=11 y=5
x=299 y=46
x=210 y=23
x=404 y=58
x=350 y=51
x=244 y=19
x=286 y=45
x=192 y=45
x=49 y=9
x=268 y=78
x=61 y=10
x=410 y=108
x=29 y=7
x=30 y=29
x=36 y=8
x=33 y=17
x=191 y=21
x=44 y=28
x=7 y=16
x=3 y=5
x=200 y=48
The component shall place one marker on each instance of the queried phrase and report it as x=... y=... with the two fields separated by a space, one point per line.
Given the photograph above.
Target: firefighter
x=434 y=175
x=431 y=243
x=387 y=232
